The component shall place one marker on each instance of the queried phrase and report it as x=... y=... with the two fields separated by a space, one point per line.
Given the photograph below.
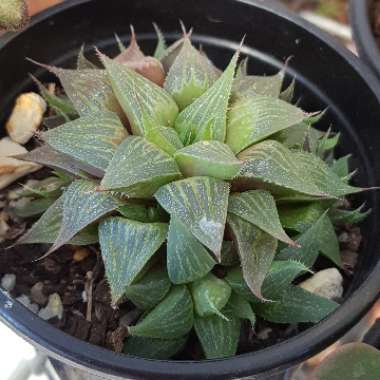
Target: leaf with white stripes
x=272 y=165
x=47 y=228
x=253 y=119
x=190 y=75
x=126 y=246
x=258 y=207
x=253 y=85
x=279 y=278
x=165 y=138
x=206 y=117
x=256 y=250
x=208 y=158
x=310 y=244
x=89 y=90
x=210 y=295
x=172 y=318
x=324 y=178
x=187 y=259
x=296 y=306
x=150 y=348
x=82 y=205
x=139 y=168
x=90 y=139
x=219 y=337
x=161 y=43
x=241 y=308
x=148 y=291
x=47 y=156
x=146 y=104
x=200 y=203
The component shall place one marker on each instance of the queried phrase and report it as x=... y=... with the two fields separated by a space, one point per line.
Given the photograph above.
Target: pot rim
x=363 y=36
x=100 y=361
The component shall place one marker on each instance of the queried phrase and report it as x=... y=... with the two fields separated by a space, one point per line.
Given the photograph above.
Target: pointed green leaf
x=206 y=117
x=82 y=205
x=47 y=156
x=47 y=228
x=143 y=213
x=165 y=138
x=200 y=203
x=228 y=256
x=210 y=295
x=280 y=276
x=253 y=119
x=219 y=337
x=258 y=207
x=208 y=158
x=161 y=43
x=139 y=168
x=329 y=244
x=132 y=89
x=32 y=207
x=241 y=308
x=300 y=217
x=126 y=247
x=324 y=178
x=59 y=104
x=253 y=85
x=92 y=140
x=187 y=259
x=190 y=75
x=256 y=250
x=288 y=94
x=82 y=62
x=147 y=292
x=159 y=349
x=310 y=244
x=170 y=319
x=273 y=165
x=341 y=216
x=89 y=90
x=341 y=166
x=296 y=306
x=120 y=43
x=356 y=361
x=170 y=54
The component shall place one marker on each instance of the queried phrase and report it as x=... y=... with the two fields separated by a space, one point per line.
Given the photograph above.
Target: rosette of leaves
x=208 y=195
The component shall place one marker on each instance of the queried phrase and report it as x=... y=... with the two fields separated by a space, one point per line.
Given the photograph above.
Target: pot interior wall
x=324 y=79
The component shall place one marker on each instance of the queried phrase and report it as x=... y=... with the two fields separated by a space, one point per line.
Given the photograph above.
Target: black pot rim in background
x=97 y=360
x=365 y=41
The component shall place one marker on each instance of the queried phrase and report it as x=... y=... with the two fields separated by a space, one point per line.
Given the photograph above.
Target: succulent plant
x=209 y=193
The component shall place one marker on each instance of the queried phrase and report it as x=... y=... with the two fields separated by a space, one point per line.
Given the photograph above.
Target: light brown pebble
x=80 y=254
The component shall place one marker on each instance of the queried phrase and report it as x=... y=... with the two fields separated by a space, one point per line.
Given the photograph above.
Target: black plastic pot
x=366 y=43
x=327 y=74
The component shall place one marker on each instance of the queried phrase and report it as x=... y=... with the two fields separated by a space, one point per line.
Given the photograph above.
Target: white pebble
x=26 y=117
x=53 y=309
x=326 y=283
x=8 y=282
x=11 y=169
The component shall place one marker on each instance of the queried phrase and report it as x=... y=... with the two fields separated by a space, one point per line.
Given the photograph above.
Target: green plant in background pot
x=209 y=193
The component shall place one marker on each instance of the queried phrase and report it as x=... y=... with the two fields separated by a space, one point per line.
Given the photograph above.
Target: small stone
x=80 y=254
x=84 y=296
x=11 y=168
x=343 y=237
x=37 y=295
x=26 y=117
x=327 y=283
x=53 y=309
x=25 y=300
x=355 y=239
x=129 y=318
x=264 y=334
x=349 y=260
x=8 y=282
